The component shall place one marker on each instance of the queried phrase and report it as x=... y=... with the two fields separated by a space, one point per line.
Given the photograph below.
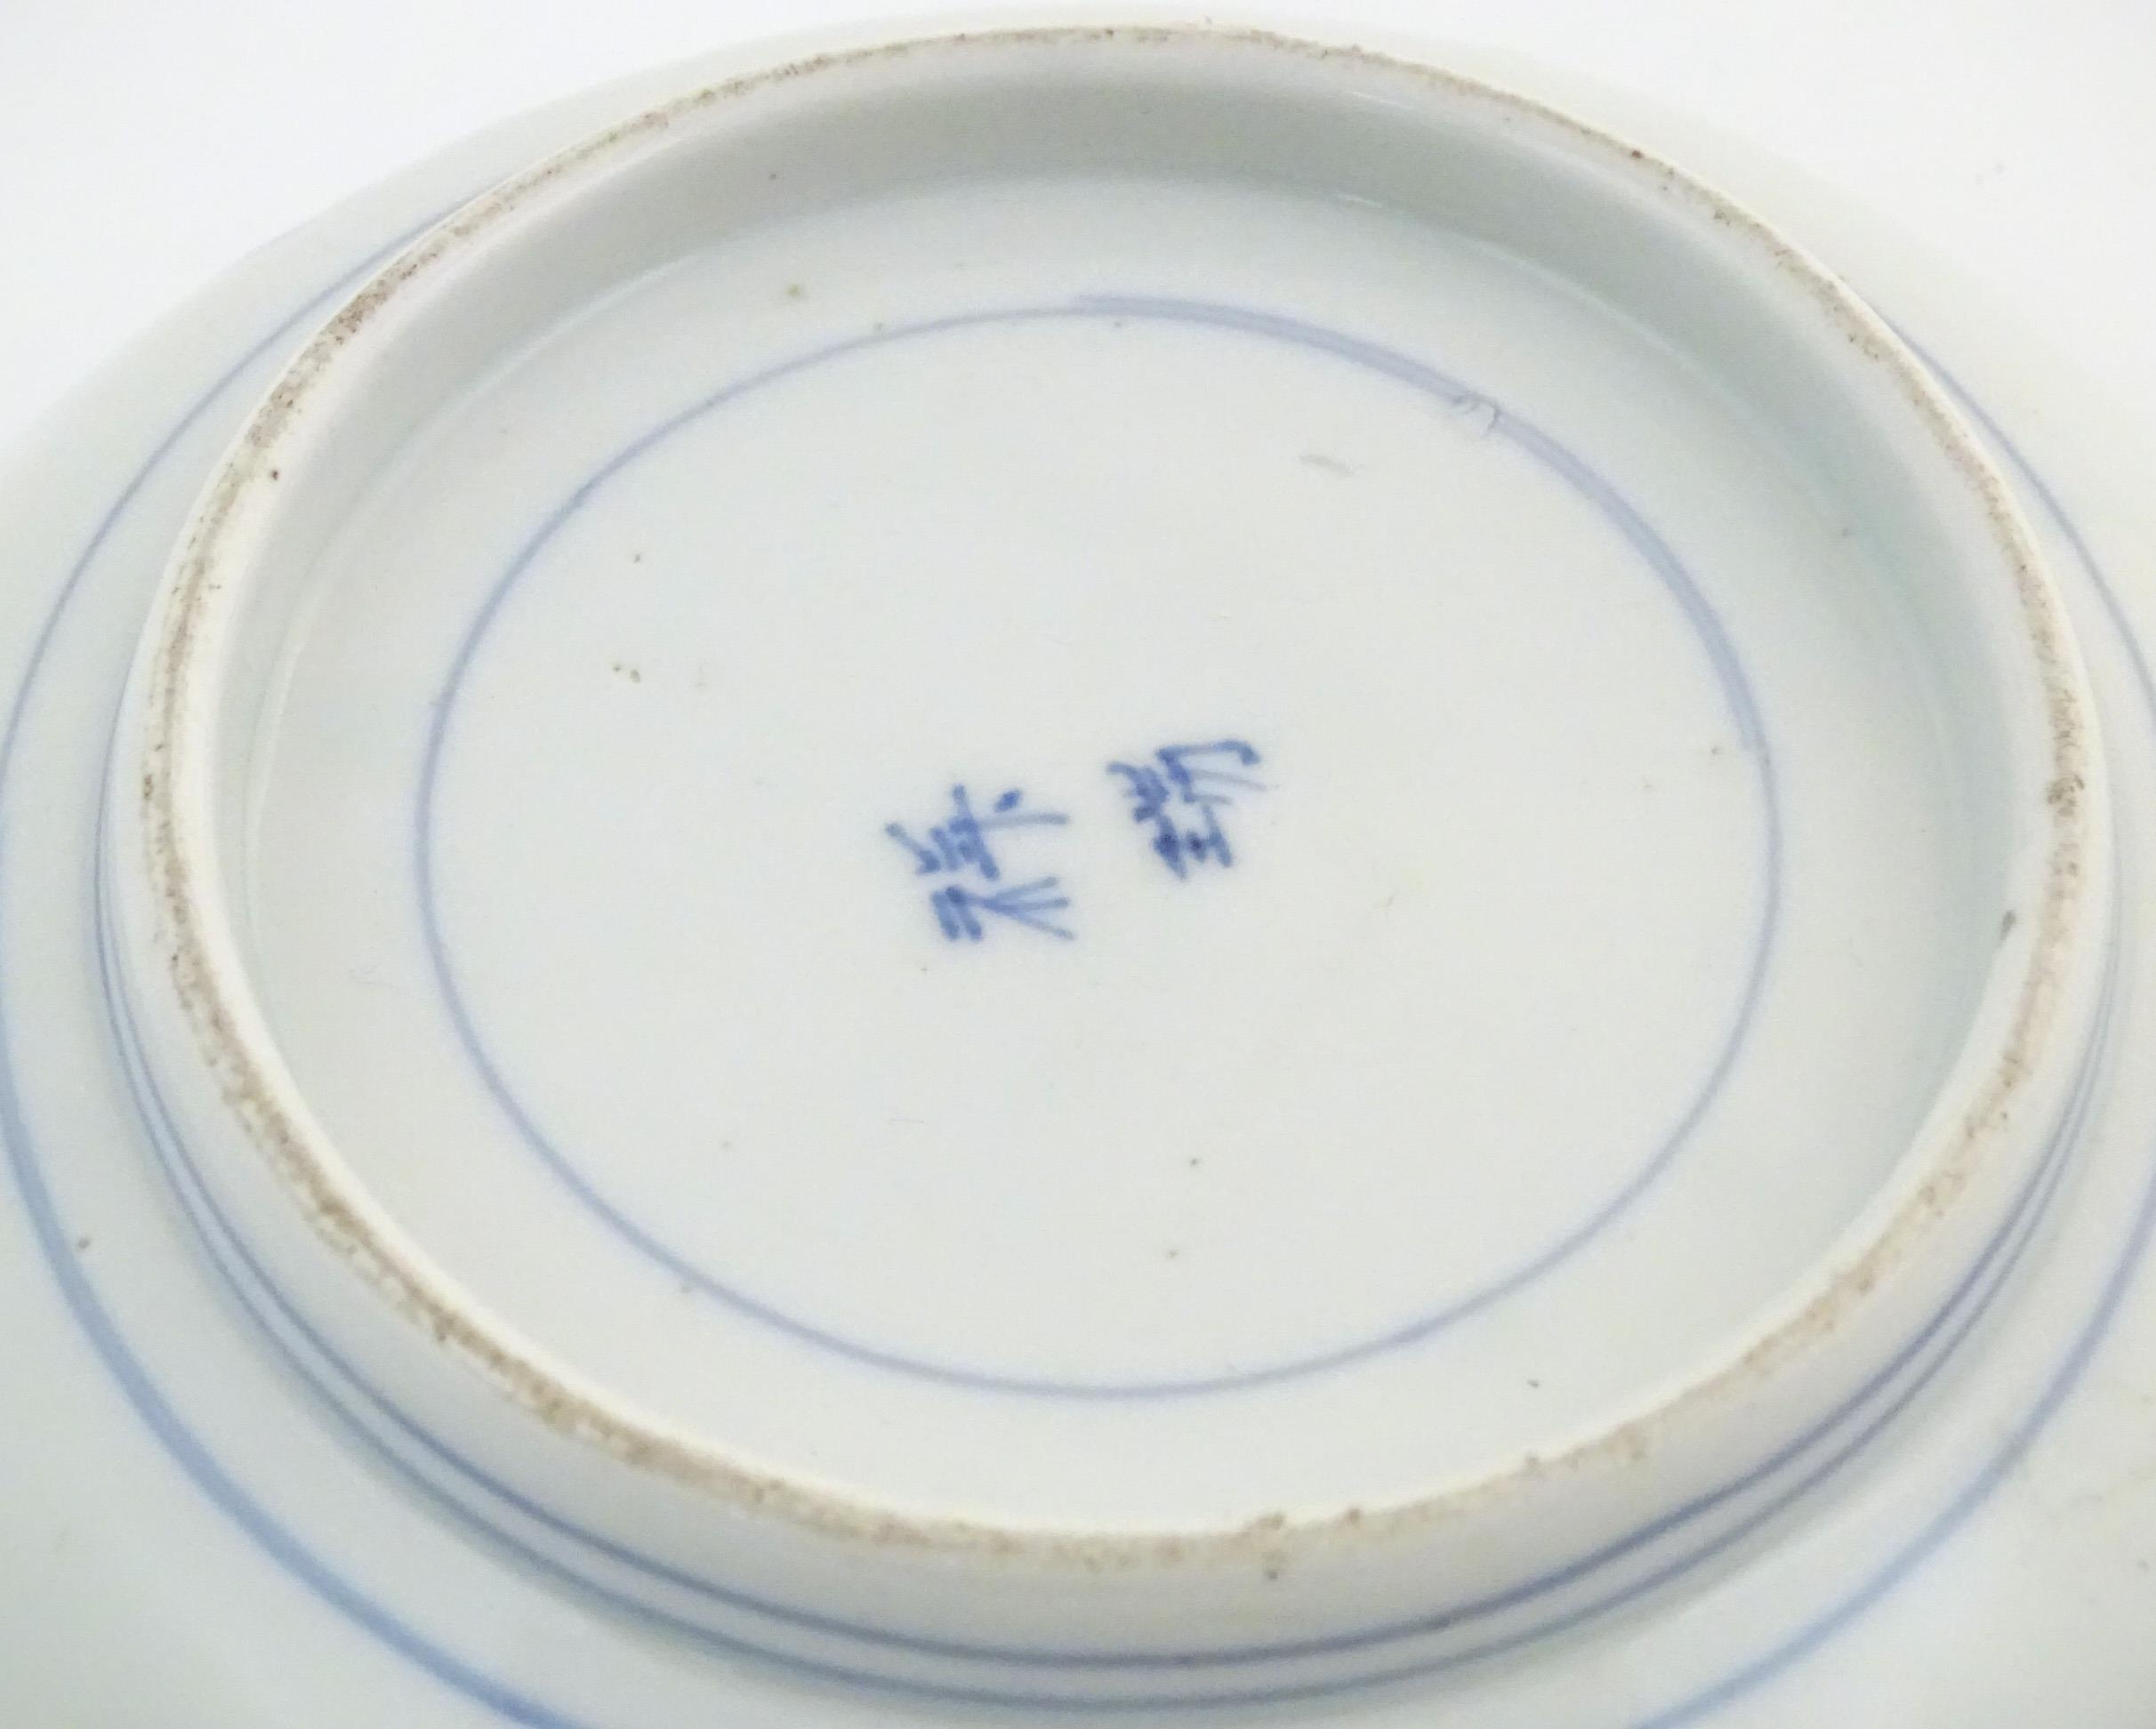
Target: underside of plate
x=1117 y=868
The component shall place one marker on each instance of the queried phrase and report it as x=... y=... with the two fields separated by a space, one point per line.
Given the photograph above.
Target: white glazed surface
x=157 y=1322
x=916 y=1508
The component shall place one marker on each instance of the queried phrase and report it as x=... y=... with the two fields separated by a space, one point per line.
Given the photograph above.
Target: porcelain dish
x=1055 y=871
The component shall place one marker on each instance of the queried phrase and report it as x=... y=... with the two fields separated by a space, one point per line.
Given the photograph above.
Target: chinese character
x=964 y=846
x=1180 y=795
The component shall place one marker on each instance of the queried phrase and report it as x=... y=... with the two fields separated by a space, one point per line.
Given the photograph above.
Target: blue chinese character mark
x=1180 y=794
x=964 y=845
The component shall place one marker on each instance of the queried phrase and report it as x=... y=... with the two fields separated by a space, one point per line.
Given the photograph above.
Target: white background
x=144 y=146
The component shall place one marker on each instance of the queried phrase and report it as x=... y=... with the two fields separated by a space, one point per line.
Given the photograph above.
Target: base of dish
x=824 y=1706
x=758 y=1049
